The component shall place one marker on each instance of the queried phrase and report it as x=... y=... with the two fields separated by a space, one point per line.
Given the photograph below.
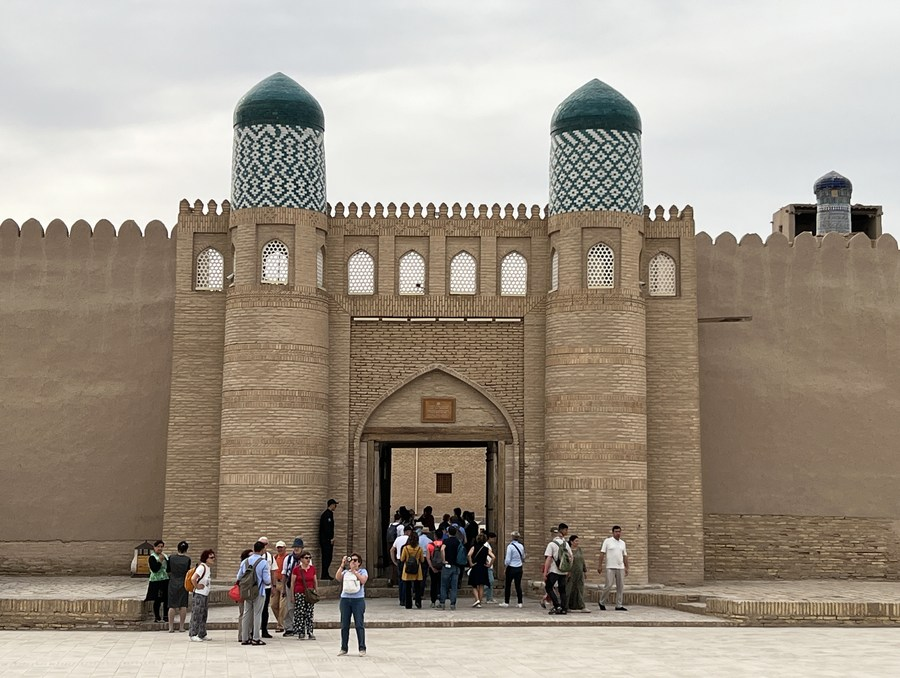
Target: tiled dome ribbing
x=832 y=181
x=279 y=100
x=595 y=105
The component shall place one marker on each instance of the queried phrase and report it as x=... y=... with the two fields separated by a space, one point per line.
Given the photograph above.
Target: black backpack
x=411 y=566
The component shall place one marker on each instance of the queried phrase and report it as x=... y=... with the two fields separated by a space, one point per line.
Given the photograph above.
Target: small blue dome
x=595 y=105
x=279 y=100
x=832 y=181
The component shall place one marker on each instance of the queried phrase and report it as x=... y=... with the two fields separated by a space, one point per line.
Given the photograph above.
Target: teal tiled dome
x=278 y=100
x=595 y=105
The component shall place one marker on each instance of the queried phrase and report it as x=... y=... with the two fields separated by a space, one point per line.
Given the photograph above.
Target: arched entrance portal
x=478 y=427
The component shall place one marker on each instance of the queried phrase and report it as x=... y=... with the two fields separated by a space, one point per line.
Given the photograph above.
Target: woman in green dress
x=575 y=583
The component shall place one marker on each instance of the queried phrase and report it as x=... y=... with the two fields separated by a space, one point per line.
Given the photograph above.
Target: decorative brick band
x=281 y=480
x=553 y=482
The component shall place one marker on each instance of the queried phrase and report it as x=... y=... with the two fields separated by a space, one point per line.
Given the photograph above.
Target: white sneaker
x=518 y=604
x=196 y=639
x=503 y=605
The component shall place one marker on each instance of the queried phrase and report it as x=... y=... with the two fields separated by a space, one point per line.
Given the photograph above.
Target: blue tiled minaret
x=595 y=375
x=279 y=154
x=833 y=204
x=595 y=157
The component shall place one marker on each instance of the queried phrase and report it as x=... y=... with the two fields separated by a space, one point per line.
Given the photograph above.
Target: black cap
x=332 y=501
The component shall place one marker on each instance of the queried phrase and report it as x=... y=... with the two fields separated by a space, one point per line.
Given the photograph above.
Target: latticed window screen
x=210 y=270
x=554 y=271
x=320 y=268
x=443 y=483
x=361 y=273
x=463 y=270
x=601 y=267
x=514 y=275
x=275 y=263
x=411 y=274
x=662 y=281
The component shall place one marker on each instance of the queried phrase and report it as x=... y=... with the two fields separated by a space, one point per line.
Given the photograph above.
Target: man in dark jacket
x=326 y=536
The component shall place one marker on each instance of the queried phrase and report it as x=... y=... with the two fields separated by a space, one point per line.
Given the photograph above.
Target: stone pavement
x=387 y=613
x=494 y=652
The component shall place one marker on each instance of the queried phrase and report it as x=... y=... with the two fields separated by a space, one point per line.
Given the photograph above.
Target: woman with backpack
x=411 y=560
x=479 y=560
x=303 y=579
x=179 y=565
x=201 y=580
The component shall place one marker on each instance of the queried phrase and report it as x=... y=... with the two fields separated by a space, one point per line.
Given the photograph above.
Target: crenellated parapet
x=32 y=229
x=456 y=219
x=673 y=223
x=727 y=244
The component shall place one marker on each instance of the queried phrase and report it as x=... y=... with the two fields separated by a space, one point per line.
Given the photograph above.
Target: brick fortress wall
x=86 y=352
x=798 y=406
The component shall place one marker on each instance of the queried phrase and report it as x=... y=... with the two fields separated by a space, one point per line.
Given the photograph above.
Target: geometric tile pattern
x=463 y=272
x=514 y=275
x=662 y=281
x=596 y=169
x=275 y=263
x=411 y=274
x=210 y=270
x=278 y=166
x=361 y=273
x=601 y=267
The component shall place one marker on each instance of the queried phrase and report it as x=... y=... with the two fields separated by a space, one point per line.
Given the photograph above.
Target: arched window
x=514 y=275
x=554 y=270
x=210 y=270
x=463 y=274
x=601 y=267
x=320 y=268
x=275 y=263
x=361 y=273
x=411 y=274
x=662 y=282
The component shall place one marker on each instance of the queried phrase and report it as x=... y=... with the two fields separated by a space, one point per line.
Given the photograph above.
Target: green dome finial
x=595 y=105
x=279 y=100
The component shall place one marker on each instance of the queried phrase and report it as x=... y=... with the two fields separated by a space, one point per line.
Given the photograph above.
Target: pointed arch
x=360 y=273
x=411 y=273
x=601 y=267
x=514 y=275
x=463 y=274
x=662 y=276
x=275 y=263
x=210 y=270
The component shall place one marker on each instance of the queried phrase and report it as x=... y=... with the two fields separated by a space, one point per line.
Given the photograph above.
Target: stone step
x=693 y=607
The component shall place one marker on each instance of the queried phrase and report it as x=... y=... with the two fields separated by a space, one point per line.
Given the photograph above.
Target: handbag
x=311 y=596
x=235 y=593
x=350 y=584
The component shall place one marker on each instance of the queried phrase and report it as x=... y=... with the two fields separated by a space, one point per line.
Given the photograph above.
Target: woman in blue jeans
x=353 y=577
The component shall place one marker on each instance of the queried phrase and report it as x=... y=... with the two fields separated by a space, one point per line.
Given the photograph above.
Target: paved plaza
x=475 y=652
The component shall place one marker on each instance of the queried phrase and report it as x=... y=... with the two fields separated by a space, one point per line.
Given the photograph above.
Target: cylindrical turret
x=273 y=476
x=596 y=411
x=833 y=204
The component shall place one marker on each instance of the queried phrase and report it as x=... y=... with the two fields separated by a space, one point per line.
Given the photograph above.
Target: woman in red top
x=303 y=578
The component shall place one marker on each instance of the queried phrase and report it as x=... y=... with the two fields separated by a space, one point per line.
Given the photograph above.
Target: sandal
x=257 y=642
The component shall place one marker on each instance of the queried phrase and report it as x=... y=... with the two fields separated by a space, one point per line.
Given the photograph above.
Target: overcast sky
x=117 y=109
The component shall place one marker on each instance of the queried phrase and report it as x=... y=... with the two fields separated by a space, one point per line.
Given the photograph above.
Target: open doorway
x=443 y=475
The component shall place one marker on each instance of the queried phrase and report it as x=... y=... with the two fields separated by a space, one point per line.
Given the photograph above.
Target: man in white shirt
x=615 y=558
x=553 y=576
x=270 y=561
x=396 y=548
